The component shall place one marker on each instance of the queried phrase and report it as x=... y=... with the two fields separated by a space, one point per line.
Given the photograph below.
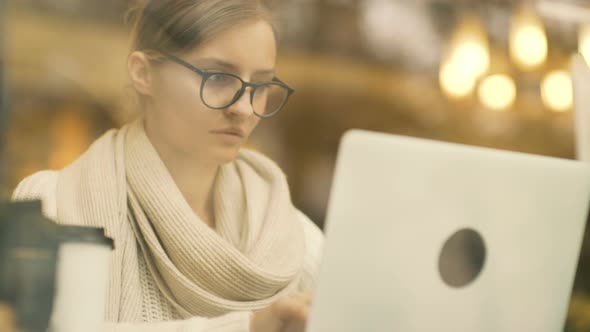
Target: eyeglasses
x=221 y=90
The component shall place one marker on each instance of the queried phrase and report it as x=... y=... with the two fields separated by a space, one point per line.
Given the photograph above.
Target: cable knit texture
x=168 y=264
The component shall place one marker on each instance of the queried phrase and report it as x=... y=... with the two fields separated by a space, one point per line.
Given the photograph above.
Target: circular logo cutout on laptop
x=462 y=258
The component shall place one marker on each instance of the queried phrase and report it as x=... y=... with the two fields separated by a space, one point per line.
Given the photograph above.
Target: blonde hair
x=177 y=26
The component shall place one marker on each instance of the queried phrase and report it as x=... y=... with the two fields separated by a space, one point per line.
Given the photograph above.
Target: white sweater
x=157 y=313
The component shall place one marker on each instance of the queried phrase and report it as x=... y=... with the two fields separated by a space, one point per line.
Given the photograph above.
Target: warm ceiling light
x=473 y=56
x=466 y=60
x=497 y=92
x=455 y=81
x=528 y=41
x=557 y=91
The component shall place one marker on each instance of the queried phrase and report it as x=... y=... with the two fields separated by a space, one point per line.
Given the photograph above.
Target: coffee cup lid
x=81 y=234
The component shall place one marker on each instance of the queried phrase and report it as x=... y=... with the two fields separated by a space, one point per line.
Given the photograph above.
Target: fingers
x=295 y=326
x=294 y=307
x=288 y=314
x=305 y=298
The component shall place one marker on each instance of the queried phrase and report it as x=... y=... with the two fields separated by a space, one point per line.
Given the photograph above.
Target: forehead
x=249 y=46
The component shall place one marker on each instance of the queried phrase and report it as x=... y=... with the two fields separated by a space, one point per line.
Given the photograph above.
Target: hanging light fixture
x=557 y=91
x=497 y=92
x=528 y=40
x=467 y=59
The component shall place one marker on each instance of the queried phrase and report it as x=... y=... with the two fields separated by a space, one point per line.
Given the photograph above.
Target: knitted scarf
x=252 y=257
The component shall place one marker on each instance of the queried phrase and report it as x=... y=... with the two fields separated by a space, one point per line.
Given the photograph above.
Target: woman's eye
x=218 y=78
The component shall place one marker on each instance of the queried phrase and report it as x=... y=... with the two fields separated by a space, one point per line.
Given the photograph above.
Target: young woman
x=206 y=236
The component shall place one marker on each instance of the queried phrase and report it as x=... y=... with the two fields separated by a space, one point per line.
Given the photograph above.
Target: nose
x=242 y=106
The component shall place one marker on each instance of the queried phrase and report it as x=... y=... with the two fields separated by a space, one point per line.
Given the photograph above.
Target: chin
x=226 y=154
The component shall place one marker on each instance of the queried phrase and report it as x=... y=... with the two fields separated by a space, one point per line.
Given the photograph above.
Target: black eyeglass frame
x=206 y=74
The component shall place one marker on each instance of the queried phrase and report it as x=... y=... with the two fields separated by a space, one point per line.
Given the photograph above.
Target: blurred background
x=488 y=73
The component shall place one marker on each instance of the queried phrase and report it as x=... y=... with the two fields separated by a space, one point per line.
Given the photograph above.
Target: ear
x=140 y=73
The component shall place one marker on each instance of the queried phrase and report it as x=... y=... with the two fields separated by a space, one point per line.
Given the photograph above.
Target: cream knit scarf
x=253 y=257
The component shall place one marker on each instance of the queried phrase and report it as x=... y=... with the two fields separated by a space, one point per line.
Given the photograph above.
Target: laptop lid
x=431 y=236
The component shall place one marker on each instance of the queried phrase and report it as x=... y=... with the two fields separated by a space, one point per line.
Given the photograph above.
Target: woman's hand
x=288 y=314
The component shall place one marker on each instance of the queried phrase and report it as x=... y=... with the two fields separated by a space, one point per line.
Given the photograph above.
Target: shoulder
x=314 y=243
x=39 y=186
x=43 y=185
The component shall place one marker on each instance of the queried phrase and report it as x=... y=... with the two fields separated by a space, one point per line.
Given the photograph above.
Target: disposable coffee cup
x=82 y=277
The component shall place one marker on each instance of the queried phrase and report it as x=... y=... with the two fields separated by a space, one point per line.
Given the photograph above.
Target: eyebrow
x=205 y=62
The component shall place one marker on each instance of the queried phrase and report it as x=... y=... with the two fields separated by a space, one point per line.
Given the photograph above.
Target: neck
x=195 y=178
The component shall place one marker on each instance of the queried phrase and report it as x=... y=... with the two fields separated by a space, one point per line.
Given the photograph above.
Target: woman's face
x=177 y=117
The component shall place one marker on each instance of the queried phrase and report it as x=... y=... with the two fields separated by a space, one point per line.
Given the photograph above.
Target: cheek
x=177 y=91
x=179 y=96
x=254 y=123
x=179 y=111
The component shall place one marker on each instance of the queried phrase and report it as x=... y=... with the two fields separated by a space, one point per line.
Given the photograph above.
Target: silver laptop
x=430 y=236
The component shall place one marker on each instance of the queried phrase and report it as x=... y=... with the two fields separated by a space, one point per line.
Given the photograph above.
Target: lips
x=234 y=131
